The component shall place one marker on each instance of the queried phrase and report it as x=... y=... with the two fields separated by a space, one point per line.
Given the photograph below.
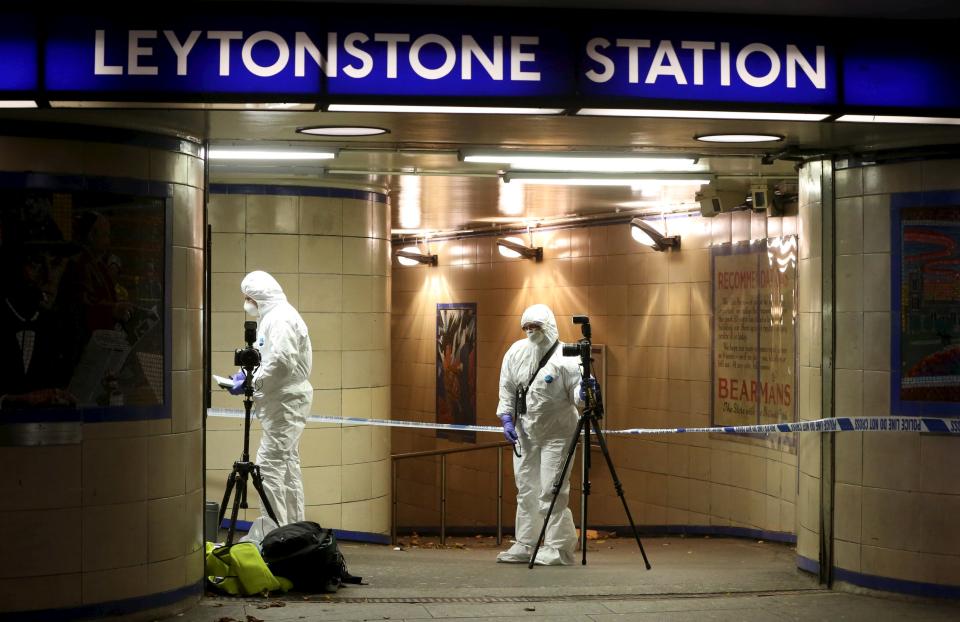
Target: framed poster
x=755 y=333
x=925 y=331
x=457 y=368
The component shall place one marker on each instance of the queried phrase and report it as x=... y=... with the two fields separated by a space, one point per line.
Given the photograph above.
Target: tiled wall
x=896 y=494
x=331 y=256
x=653 y=311
x=119 y=515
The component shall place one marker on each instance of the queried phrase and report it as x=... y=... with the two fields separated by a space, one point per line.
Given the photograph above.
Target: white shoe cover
x=516 y=554
x=548 y=556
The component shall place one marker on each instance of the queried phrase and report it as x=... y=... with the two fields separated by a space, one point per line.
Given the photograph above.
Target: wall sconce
x=412 y=256
x=514 y=247
x=644 y=233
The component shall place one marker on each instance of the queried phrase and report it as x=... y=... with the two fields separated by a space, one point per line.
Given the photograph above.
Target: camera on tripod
x=582 y=347
x=248 y=357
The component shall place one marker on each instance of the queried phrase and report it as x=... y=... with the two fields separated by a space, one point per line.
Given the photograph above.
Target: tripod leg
x=557 y=484
x=226 y=498
x=241 y=482
x=585 y=495
x=619 y=488
x=258 y=485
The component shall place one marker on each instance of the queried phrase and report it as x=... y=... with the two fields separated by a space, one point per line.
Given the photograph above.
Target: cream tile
x=326 y=373
x=939 y=175
x=226 y=213
x=326 y=515
x=166 y=523
x=356 y=481
x=166 y=456
x=937 y=534
x=115 y=584
x=166 y=575
x=40 y=477
x=325 y=331
x=357 y=255
x=322 y=485
x=45 y=592
x=848 y=182
x=850 y=283
x=114 y=470
x=846 y=555
x=891 y=519
x=321 y=254
x=273 y=253
x=678 y=331
x=320 y=446
x=227 y=252
x=876 y=223
x=357 y=330
x=46 y=542
x=876 y=393
x=272 y=214
x=193 y=456
x=225 y=291
x=849 y=457
x=320 y=293
x=320 y=216
x=356 y=218
x=876 y=282
x=357 y=294
x=355 y=368
x=891 y=461
x=940 y=462
x=849 y=393
x=356 y=403
x=849 y=340
x=886 y=178
x=357 y=444
x=187 y=217
x=876 y=347
x=849 y=226
x=327 y=403
x=847 y=512
x=102 y=524
x=178 y=289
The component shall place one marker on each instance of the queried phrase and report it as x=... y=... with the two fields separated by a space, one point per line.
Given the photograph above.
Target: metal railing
x=443 y=453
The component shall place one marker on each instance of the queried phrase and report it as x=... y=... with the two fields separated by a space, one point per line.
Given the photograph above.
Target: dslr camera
x=248 y=357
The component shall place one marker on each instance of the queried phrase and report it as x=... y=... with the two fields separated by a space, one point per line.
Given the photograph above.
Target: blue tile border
x=299 y=191
x=107 y=609
x=341 y=534
x=883 y=584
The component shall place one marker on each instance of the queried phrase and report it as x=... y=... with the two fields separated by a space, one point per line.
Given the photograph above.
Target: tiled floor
x=691 y=579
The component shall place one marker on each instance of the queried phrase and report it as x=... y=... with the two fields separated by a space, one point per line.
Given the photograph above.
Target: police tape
x=941 y=425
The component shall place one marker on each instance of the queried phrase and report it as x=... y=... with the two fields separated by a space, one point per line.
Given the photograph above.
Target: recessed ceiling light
x=739 y=138
x=268 y=154
x=342 y=130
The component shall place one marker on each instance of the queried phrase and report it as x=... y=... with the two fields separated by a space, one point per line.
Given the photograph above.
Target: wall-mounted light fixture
x=514 y=247
x=412 y=256
x=644 y=233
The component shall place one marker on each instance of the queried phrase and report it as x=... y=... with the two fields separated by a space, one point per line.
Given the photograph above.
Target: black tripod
x=592 y=413
x=249 y=359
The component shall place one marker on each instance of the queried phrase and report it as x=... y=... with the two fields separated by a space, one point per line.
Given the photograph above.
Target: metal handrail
x=394 y=458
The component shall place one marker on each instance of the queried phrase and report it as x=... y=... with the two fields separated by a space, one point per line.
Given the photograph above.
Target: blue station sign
x=575 y=59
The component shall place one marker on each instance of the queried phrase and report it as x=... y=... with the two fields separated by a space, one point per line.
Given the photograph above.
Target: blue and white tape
x=942 y=425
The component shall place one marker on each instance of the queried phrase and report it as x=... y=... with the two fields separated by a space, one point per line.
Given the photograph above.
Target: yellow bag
x=240 y=570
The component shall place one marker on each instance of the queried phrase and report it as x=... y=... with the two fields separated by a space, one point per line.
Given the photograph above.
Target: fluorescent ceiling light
x=596 y=179
x=739 y=138
x=342 y=130
x=588 y=162
x=702 y=114
x=264 y=154
x=450 y=109
x=183 y=105
x=18 y=103
x=867 y=118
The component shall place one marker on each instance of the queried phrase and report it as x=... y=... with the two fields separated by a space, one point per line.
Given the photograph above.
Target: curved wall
x=329 y=249
x=894 y=493
x=109 y=520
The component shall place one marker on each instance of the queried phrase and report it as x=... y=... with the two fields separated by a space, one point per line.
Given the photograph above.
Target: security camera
x=715 y=199
x=761 y=197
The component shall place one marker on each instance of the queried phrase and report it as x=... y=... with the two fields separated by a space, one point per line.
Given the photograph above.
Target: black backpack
x=307 y=555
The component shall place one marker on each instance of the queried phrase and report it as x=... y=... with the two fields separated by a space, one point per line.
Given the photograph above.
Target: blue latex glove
x=592 y=384
x=509 y=432
x=238 y=380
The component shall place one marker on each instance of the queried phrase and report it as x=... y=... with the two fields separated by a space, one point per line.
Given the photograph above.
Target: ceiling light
x=269 y=154
x=645 y=234
x=597 y=179
x=184 y=105
x=589 y=162
x=514 y=247
x=442 y=109
x=342 y=130
x=412 y=256
x=867 y=118
x=702 y=114
x=739 y=138
x=18 y=103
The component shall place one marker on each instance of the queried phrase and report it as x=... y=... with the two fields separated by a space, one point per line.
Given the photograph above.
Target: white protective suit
x=283 y=394
x=544 y=432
